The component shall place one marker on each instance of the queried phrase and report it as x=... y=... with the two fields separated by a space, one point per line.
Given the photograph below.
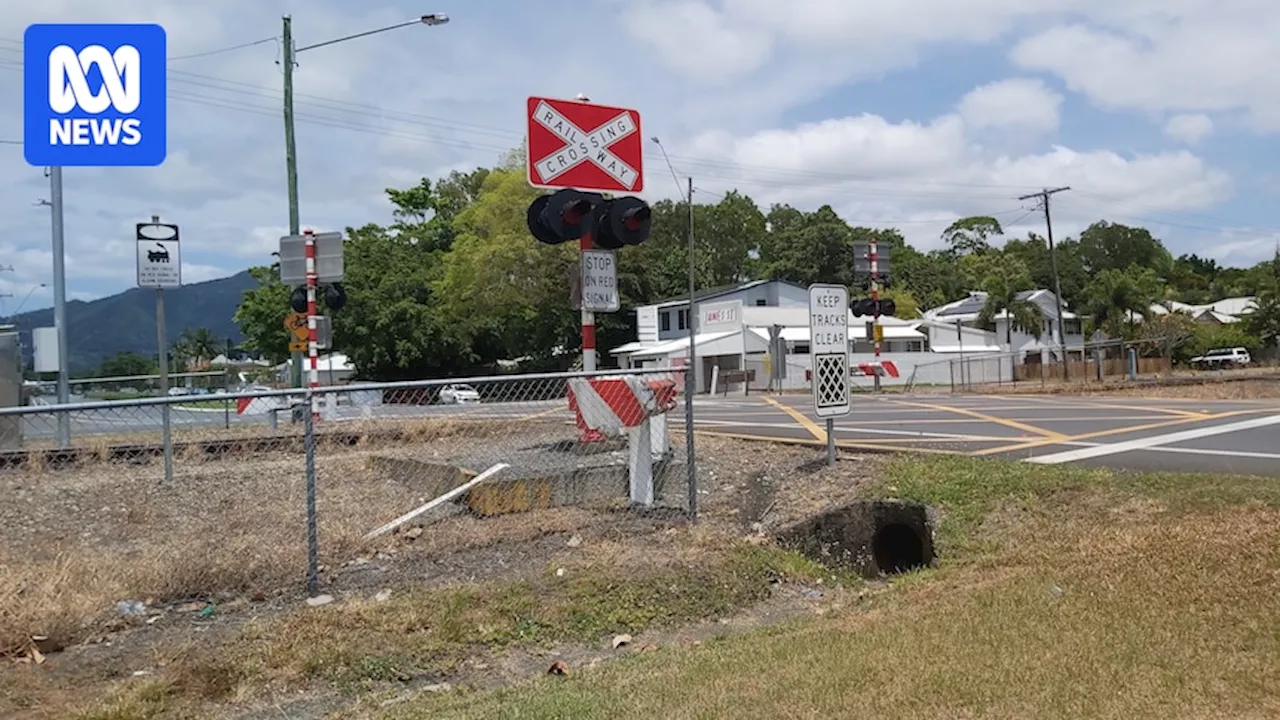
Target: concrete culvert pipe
x=869 y=537
x=897 y=548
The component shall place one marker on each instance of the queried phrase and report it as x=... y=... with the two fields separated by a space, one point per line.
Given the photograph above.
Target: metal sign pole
x=875 y=318
x=163 y=344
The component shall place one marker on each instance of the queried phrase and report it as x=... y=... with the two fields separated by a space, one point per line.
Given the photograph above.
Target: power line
x=16 y=46
x=219 y=51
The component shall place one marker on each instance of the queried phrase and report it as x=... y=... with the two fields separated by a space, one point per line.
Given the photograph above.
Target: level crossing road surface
x=1239 y=436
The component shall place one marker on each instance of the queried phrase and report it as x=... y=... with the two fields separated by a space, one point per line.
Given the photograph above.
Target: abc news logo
x=69 y=91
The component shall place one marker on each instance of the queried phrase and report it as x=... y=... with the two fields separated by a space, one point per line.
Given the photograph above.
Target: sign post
x=160 y=267
x=829 y=348
x=595 y=148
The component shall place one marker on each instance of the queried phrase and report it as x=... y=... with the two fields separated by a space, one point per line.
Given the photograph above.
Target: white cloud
x=920 y=177
x=740 y=91
x=1189 y=129
x=1194 y=55
x=1016 y=102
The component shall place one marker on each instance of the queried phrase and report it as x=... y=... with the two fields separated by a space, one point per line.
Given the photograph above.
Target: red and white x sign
x=580 y=145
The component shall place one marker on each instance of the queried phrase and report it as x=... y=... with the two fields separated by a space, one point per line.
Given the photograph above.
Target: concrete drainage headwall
x=869 y=537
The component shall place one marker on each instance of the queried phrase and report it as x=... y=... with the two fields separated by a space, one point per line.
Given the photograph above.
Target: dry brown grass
x=1082 y=602
x=75 y=541
x=112 y=534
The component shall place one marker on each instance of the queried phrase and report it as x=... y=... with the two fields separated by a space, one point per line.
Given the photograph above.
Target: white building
x=1223 y=312
x=965 y=313
x=734 y=326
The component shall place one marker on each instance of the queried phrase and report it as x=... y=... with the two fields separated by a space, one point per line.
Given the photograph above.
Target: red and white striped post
x=313 y=344
x=875 y=298
x=588 y=319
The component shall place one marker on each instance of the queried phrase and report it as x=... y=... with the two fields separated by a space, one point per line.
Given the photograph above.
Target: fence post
x=226 y=401
x=1133 y=363
x=691 y=465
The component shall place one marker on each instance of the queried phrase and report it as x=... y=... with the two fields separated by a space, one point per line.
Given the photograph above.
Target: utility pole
x=291 y=161
x=60 y=303
x=1044 y=196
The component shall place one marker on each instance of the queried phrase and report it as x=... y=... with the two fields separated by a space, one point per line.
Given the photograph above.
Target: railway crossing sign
x=829 y=348
x=159 y=256
x=574 y=144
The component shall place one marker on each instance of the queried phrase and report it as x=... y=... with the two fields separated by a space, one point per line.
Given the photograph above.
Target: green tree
x=126 y=364
x=198 y=344
x=808 y=248
x=1112 y=246
x=971 y=235
x=1033 y=252
x=502 y=289
x=261 y=315
x=392 y=327
x=906 y=306
x=1264 y=321
x=1115 y=300
x=1003 y=289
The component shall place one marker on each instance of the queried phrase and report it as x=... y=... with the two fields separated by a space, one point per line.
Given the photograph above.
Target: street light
x=290 y=147
x=27 y=297
x=291 y=156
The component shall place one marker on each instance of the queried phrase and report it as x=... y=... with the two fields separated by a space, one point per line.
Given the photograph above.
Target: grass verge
x=1066 y=593
x=361 y=646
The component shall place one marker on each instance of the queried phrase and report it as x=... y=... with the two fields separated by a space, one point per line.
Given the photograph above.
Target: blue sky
x=907 y=114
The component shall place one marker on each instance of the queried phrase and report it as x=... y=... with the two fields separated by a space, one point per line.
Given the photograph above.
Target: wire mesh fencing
x=253 y=488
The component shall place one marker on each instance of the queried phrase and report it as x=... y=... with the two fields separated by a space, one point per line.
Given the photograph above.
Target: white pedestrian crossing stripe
x=582 y=146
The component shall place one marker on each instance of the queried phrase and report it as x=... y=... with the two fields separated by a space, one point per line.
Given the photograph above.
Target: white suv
x=1222 y=358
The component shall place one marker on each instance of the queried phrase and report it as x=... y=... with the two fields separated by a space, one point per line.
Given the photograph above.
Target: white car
x=459 y=395
x=1222 y=358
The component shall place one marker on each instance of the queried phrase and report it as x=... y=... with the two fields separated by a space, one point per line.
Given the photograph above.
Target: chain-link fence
x=254 y=488
x=1099 y=362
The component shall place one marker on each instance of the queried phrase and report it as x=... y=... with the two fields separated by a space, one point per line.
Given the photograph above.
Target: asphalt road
x=1130 y=433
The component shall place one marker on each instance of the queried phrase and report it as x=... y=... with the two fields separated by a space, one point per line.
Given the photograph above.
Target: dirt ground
x=110 y=575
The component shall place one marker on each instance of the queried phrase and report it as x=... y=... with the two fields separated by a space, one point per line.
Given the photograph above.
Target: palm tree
x=198 y=344
x=1003 y=296
x=1114 y=299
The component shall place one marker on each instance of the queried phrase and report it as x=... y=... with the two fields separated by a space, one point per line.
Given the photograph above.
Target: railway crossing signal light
x=867 y=306
x=569 y=214
x=562 y=216
x=335 y=297
x=622 y=221
x=298 y=299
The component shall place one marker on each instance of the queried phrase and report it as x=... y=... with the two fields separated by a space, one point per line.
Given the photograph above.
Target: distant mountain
x=127 y=322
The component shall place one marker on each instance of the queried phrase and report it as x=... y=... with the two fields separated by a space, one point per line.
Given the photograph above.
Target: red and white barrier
x=881 y=368
x=613 y=406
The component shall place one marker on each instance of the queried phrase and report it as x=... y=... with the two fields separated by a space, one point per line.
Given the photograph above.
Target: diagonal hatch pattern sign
x=581 y=145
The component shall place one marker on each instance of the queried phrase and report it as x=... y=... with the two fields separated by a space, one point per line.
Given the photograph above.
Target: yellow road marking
x=1138 y=408
x=1014 y=424
x=822 y=443
x=1112 y=431
x=805 y=422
